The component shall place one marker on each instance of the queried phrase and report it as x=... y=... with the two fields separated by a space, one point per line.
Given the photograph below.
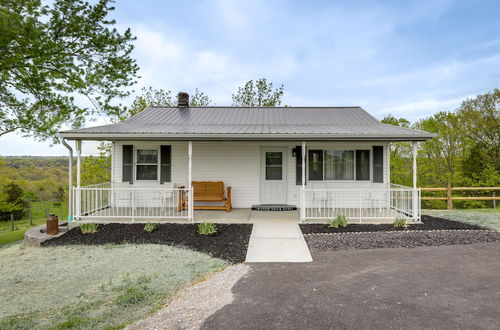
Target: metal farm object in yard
x=52 y=225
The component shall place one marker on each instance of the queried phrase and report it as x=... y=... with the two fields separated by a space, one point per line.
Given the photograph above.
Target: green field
x=489 y=218
x=20 y=226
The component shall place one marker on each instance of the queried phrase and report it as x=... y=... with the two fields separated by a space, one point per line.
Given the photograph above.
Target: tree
x=480 y=121
x=258 y=94
x=51 y=54
x=59 y=194
x=441 y=156
x=401 y=154
x=12 y=201
x=97 y=169
x=152 y=97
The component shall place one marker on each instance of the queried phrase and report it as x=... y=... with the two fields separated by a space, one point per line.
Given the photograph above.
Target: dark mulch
x=428 y=223
x=230 y=243
x=355 y=241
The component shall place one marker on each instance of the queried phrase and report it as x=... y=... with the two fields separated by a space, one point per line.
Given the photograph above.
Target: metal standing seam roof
x=250 y=123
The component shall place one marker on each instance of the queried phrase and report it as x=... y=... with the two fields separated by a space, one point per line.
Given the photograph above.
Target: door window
x=274 y=165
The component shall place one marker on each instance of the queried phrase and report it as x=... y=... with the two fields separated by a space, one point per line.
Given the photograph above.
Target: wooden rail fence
x=449 y=198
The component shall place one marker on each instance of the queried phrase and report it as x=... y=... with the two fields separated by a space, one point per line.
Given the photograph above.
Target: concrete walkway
x=277 y=239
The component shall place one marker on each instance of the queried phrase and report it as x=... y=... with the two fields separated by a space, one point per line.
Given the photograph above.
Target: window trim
x=158 y=162
x=370 y=179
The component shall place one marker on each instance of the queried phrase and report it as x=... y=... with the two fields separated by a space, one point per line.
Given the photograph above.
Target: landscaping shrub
x=207 y=228
x=400 y=223
x=149 y=227
x=339 y=221
x=89 y=228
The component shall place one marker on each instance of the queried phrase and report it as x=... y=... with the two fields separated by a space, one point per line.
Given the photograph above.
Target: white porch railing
x=104 y=202
x=356 y=204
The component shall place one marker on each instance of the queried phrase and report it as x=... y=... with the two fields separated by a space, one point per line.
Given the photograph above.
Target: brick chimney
x=182 y=100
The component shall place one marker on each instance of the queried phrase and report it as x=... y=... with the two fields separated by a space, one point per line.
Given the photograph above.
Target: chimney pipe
x=182 y=100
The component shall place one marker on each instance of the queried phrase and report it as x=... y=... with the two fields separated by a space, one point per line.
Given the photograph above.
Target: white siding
x=238 y=164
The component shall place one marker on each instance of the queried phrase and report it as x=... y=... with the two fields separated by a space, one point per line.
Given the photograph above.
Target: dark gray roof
x=333 y=123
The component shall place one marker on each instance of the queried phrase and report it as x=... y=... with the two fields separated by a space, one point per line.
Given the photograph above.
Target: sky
x=405 y=58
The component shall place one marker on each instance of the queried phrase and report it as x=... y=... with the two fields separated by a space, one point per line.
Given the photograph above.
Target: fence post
x=12 y=227
x=448 y=197
x=494 y=200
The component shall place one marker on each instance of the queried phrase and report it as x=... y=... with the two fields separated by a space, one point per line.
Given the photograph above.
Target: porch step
x=273 y=207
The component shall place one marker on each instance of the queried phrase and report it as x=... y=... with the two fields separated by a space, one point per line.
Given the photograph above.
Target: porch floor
x=248 y=216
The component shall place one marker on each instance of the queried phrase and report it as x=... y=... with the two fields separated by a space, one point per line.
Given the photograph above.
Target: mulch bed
x=355 y=241
x=428 y=223
x=230 y=243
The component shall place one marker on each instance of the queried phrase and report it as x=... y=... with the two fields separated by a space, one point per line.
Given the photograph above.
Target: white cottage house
x=322 y=161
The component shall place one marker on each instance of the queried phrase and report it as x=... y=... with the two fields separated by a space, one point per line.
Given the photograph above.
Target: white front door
x=273 y=176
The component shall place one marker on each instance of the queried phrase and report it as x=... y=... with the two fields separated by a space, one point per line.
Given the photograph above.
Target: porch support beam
x=416 y=191
x=78 y=161
x=415 y=149
x=303 y=164
x=302 y=192
x=190 y=202
x=70 y=179
x=190 y=163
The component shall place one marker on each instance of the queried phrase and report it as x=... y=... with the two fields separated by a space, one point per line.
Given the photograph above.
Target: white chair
x=321 y=199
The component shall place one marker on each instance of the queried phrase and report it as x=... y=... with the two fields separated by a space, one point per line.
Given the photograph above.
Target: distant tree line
x=466 y=151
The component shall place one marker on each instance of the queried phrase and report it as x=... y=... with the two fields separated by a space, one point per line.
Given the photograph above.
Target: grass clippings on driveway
x=428 y=223
x=483 y=217
x=230 y=243
x=89 y=287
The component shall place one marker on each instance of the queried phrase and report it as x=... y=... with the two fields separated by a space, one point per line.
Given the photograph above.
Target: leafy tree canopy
x=52 y=55
x=258 y=93
x=152 y=97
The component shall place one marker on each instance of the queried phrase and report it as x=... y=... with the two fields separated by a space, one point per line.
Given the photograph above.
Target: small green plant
x=400 y=223
x=89 y=228
x=149 y=227
x=207 y=228
x=339 y=221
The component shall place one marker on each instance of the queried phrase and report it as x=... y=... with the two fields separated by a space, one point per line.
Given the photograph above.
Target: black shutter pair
x=128 y=164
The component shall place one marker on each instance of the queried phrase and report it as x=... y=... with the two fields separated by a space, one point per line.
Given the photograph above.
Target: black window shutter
x=127 y=164
x=165 y=164
x=298 y=165
x=378 y=164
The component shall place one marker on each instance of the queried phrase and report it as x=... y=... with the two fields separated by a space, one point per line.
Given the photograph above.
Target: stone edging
x=402 y=231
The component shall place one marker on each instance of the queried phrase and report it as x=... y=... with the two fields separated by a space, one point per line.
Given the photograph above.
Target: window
x=274 y=165
x=362 y=165
x=147 y=164
x=339 y=165
x=315 y=164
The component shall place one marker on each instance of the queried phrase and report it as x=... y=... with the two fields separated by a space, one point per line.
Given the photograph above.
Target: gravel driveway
x=443 y=287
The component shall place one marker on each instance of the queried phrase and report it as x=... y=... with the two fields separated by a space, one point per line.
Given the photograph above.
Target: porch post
x=78 y=161
x=70 y=179
x=303 y=193
x=190 y=179
x=415 y=194
x=78 y=196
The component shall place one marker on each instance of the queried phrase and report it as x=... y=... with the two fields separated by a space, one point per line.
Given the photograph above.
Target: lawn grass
x=20 y=226
x=93 y=287
x=489 y=218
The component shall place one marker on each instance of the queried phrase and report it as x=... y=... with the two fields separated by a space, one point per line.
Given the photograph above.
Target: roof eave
x=244 y=137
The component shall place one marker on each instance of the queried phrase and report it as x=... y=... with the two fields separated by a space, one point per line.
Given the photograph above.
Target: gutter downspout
x=70 y=172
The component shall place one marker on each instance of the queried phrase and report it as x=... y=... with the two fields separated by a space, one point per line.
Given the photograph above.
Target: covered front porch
x=244 y=166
